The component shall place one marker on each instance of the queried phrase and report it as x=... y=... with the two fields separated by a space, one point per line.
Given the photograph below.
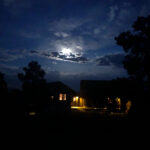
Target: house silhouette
x=97 y=93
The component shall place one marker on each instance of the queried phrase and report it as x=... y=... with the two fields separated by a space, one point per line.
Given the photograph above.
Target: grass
x=75 y=128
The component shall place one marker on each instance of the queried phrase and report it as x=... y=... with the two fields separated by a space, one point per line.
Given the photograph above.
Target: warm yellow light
x=118 y=100
x=32 y=113
x=105 y=108
x=77 y=98
x=78 y=102
x=78 y=107
x=60 y=97
x=74 y=99
x=82 y=102
x=128 y=106
x=64 y=97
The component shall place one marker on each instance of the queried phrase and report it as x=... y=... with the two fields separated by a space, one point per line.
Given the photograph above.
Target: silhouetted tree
x=33 y=73
x=3 y=85
x=136 y=44
x=34 y=84
x=4 y=98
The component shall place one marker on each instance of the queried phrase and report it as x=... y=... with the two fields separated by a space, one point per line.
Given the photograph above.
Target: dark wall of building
x=57 y=88
x=96 y=92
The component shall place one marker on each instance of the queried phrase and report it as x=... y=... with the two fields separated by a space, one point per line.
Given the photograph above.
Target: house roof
x=60 y=87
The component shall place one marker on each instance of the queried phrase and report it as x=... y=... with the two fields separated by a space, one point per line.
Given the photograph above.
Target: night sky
x=71 y=39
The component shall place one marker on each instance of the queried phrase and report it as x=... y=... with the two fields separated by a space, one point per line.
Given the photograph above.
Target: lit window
x=74 y=99
x=62 y=97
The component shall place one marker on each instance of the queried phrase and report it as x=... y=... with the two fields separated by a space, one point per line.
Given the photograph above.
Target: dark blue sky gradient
x=71 y=39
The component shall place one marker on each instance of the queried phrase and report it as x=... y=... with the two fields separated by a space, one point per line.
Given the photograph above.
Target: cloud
x=145 y=9
x=8 y=55
x=77 y=59
x=112 y=13
x=69 y=57
x=94 y=30
x=8 y=67
x=75 y=33
x=60 y=56
x=61 y=34
x=33 y=52
x=126 y=15
x=66 y=25
x=54 y=54
x=111 y=60
x=82 y=36
x=75 y=43
x=11 y=55
x=52 y=75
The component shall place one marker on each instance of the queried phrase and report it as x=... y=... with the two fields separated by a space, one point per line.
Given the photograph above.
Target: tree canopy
x=33 y=73
x=136 y=44
x=34 y=84
x=3 y=85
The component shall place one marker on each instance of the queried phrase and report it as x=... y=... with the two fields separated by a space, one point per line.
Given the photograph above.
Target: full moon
x=66 y=51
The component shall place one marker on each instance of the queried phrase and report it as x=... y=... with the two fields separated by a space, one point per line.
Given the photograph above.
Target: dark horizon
x=15 y=83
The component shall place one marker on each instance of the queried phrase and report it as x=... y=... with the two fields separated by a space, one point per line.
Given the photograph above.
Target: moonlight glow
x=66 y=51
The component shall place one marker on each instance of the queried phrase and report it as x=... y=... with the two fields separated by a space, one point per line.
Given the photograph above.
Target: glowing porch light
x=128 y=106
x=77 y=98
x=78 y=102
x=118 y=101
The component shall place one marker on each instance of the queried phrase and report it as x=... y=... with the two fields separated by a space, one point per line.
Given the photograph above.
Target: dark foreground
x=75 y=129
